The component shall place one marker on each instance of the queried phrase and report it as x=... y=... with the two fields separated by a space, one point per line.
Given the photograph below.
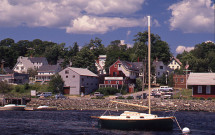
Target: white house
x=45 y=72
x=174 y=63
x=79 y=80
x=100 y=64
x=25 y=63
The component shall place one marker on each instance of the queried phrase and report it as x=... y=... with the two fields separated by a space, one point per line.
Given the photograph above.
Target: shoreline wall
x=104 y=104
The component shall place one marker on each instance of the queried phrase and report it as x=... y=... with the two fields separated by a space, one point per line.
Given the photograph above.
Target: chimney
x=138 y=59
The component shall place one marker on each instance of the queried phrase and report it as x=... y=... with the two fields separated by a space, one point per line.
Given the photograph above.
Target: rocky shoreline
x=104 y=104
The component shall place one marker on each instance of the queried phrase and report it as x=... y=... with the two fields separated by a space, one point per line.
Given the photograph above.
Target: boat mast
x=149 y=66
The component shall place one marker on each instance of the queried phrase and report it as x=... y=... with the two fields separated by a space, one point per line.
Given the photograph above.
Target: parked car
x=60 y=96
x=165 y=89
x=119 y=95
x=98 y=94
x=45 y=94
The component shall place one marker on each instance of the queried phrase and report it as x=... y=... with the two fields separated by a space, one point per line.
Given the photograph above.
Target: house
x=122 y=73
x=203 y=84
x=174 y=63
x=15 y=78
x=100 y=64
x=78 y=80
x=161 y=69
x=45 y=72
x=25 y=63
x=179 y=81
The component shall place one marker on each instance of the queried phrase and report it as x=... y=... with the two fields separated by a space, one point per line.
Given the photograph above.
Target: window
x=208 y=89
x=117 y=82
x=176 y=79
x=182 y=80
x=73 y=76
x=161 y=67
x=67 y=76
x=66 y=71
x=114 y=74
x=158 y=73
x=115 y=65
x=199 y=89
x=109 y=81
x=119 y=65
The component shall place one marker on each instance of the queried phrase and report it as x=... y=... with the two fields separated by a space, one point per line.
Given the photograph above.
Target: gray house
x=79 y=80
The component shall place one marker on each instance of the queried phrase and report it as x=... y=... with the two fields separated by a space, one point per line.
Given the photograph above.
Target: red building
x=179 y=81
x=203 y=84
x=122 y=73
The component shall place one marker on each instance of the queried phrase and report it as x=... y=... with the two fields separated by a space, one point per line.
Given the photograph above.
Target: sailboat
x=129 y=120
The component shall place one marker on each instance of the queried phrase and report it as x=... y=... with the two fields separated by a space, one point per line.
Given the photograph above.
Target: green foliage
x=5 y=87
x=85 y=59
x=108 y=91
x=201 y=59
x=183 y=94
x=139 y=83
x=130 y=97
x=56 y=84
x=32 y=72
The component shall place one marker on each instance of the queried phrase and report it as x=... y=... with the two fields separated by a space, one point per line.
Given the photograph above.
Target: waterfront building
x=78 y=81
x=203 y=84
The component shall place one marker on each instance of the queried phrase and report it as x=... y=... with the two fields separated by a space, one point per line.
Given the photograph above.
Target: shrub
x=202 y=98
x=108 y=91
x=130 y=97
x=121 y=97
x=209 y=98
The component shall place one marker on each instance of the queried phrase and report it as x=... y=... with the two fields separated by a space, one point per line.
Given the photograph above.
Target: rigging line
x=178 y=123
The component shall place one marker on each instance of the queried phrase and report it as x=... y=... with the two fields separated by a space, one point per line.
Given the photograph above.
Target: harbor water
x=80 y=122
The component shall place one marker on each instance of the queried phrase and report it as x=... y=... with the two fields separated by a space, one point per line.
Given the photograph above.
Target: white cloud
x=181 y=49
x=192 y=16
x=128 y=33
x=113 y=6
x=75 y=16
x=95 y=25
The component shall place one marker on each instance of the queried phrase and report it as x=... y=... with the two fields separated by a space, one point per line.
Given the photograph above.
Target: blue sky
x=181 y=23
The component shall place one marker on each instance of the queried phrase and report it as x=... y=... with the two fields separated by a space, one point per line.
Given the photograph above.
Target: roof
x=37 y=59
x=48 y=68
x=177 y=60
x=133 y=65
x=83 y=71
x=201 y=79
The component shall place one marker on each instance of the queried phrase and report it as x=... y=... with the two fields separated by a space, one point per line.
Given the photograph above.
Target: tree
x=201 y=59
x=56 y=84
x=114 y=52
x=5 y=87
x=159 y=49
x=32 y=72
x=7 y=42
x=85 y=59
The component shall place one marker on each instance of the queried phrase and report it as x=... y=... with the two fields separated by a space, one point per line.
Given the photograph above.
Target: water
x=80 y=122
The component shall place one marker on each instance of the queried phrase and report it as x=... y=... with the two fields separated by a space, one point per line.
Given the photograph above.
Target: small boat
x=13 y=107
x=45 y=108
x=136 y=121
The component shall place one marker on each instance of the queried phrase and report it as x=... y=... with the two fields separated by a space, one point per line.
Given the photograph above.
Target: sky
x=180 y=23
